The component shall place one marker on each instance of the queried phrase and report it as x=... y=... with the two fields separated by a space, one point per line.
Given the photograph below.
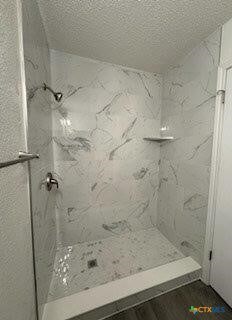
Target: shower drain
x=92 y=263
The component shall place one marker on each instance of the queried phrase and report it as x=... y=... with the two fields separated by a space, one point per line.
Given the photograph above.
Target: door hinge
x=222 y=93
x=210 y=255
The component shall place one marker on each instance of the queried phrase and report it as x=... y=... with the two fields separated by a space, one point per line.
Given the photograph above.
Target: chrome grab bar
x=23 y=157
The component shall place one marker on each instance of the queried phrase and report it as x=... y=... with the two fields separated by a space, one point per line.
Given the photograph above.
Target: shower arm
x=57 y=95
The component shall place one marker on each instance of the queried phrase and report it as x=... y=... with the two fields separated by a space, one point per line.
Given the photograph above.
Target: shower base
x=115 y=272
x=91 y=264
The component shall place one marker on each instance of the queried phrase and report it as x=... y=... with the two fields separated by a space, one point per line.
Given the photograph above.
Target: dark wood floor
x=175 y=305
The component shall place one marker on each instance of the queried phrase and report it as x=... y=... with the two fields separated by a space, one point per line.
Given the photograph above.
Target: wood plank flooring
x=175 y=305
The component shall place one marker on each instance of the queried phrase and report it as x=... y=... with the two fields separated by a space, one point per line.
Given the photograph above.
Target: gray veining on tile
x=188 y=114
x=109 y=175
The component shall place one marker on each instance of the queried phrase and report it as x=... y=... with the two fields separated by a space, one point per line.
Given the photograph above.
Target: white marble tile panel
x=189 y=91
x=108 y=173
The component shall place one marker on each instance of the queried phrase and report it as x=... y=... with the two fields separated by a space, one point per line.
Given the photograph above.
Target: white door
x=221 y=267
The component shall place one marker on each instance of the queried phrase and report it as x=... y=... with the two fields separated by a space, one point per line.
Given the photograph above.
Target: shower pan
x=119 y=206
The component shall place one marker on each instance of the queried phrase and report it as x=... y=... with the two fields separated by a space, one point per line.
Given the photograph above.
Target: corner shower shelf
x=158 y=139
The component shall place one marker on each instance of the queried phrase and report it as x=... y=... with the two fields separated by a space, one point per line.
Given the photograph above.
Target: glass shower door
x=39 y=103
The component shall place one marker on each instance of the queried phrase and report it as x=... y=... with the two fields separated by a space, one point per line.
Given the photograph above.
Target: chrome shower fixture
x=57 y=95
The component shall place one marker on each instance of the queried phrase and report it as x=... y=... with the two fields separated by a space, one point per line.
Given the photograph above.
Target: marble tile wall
x=189 y=90
x=37 y=68
x=108 y=174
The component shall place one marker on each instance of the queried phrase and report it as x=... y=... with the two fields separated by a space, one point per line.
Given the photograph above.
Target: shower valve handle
x=50 y=181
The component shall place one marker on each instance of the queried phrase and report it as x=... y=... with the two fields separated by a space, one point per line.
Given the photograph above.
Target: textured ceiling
x=146 y=34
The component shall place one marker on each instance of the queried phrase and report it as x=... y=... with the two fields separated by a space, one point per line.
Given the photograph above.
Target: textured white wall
x=16 y=274
x=149 y=34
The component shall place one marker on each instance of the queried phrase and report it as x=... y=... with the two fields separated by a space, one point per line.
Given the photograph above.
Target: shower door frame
x=224 y=65
x=215 y=159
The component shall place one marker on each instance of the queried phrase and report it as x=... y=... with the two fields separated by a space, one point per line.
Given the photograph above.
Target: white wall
x=16 y=273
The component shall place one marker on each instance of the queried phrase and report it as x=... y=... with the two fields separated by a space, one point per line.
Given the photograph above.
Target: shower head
x=57 y=95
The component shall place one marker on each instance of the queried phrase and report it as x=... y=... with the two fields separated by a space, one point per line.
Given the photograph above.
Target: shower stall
x=120 y=191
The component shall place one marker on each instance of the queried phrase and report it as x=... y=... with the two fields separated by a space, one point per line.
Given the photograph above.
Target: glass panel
x=39 y=103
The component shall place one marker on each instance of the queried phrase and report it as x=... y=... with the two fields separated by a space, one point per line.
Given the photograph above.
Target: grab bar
x=23 y=157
